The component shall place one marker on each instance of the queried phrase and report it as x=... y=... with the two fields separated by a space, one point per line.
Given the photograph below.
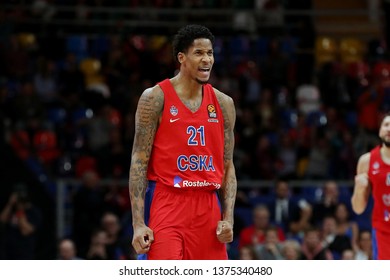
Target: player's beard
x=202 y=82
x=385 y=142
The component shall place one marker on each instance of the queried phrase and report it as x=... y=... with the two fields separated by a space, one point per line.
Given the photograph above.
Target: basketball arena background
x=303 y=74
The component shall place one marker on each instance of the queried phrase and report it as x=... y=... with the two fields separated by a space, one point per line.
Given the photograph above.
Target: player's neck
x=186 y=87
x=385 y=154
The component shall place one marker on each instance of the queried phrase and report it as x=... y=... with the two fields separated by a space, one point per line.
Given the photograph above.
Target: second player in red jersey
x=373 y=178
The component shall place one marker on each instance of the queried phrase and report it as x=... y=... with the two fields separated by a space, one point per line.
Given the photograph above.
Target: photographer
x=20 y=220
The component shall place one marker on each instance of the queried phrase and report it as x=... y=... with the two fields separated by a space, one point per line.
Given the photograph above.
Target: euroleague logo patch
x=212 y=112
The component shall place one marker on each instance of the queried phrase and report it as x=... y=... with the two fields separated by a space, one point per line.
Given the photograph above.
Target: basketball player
x=373 y=176
x=182 y=178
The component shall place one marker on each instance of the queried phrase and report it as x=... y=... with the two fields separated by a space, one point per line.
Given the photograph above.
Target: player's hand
x=142 y=239
x=362 y=182
x=225 y=231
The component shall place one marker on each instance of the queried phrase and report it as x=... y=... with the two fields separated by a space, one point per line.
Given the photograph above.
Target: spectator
x=333 y=240
x=287 y=213
x=98 y=246
x=21 y=220
x=364 y=248
x=348 y=254
x=327 y=201
x=312 y=247
x=302 y=219
x=345 y=225
x=255 y=233
x=291 y=250
x=282 y=206
x=89 y=205
x=117 y=245
x=271 y=249
x=247 y=253
x=67 y=250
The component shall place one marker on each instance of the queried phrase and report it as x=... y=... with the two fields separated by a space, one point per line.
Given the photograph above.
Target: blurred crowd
x=68 y=106
x=314 y=223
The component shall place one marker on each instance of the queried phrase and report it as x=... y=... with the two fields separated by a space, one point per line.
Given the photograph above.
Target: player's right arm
x=147 y=117
x=362 y=187
x=228 y=190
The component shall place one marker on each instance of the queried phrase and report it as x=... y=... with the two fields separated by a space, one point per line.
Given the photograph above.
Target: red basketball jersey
x=379 y=175
x=188 y=147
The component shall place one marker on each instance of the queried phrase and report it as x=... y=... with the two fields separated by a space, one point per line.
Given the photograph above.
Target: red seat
x=84 y=164
x=45 y=144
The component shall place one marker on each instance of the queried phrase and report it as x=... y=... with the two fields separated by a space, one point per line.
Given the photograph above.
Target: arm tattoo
x=229 y=189
x=193 y=105
x=147 y=115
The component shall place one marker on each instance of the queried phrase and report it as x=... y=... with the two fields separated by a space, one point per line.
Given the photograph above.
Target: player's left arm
x=362 y=186
x=229 y=184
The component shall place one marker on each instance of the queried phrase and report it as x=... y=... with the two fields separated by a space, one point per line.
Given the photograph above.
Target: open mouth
x=204 y=69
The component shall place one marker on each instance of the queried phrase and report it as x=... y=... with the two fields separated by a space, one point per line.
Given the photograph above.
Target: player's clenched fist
x=225 y=231
x=142 y=239
x=361 y=181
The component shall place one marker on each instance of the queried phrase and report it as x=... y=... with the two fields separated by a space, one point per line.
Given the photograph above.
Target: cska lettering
x=195 y=163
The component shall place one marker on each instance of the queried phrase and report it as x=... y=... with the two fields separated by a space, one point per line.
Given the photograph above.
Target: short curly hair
x=186 y=35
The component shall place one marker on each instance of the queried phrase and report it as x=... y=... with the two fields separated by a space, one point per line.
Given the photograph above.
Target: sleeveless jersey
x=379 y=175
x=188 y=148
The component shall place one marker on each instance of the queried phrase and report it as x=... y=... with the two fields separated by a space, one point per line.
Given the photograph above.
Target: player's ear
x=180 y=57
